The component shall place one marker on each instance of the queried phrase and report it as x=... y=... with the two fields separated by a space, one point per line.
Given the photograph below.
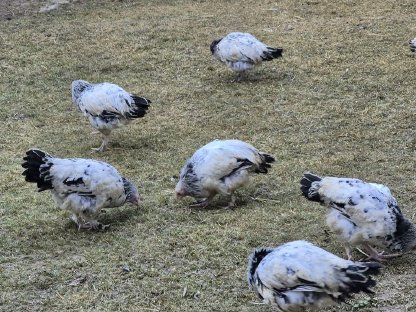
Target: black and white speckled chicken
x=242 y=51
x=362 y=214
x=81 y=186
x=412 y=45
x=107 y=106
x=299 y=275
x=220 y=166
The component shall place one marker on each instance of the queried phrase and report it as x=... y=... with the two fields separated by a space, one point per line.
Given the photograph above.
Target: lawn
x=340 y=102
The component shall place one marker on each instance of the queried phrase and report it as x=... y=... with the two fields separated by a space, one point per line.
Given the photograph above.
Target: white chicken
x=81 y=186
x=242 y=52
x=299 y=275
x=412 y=45
x=362 y=213
x=220 y=166
x=107 y=106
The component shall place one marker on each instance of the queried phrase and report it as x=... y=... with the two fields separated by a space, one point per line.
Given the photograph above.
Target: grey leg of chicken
x=373 y=254
x=231 y=204
x=103 y=146
x=94 y=225
x=78 y=221
x=88 y=225
x=348 y=251
x=203 y=203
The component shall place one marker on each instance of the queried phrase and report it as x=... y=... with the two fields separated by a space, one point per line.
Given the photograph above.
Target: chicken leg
x=104 y=144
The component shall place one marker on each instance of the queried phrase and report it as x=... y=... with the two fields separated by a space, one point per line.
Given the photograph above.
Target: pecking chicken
x=242 y=51
x=362 y=213
x=220 y=166
x=299 y=275
x=81 y=186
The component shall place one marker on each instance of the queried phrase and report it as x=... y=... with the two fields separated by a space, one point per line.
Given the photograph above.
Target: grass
x=340 y=102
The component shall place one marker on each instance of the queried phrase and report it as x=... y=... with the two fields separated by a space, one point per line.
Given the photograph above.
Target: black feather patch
x=242 y=163
x=268 y=158
x=108 y=116
x=139 y=107
x=402 y=224
x=306 y=184
x=360 y=278
x=265 y=165
x=254 y=260
x=271 y=54
x=214 y=44
x=33 y=161
x=72 y=181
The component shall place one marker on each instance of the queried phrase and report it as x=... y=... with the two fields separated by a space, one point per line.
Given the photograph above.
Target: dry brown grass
x=340 y=102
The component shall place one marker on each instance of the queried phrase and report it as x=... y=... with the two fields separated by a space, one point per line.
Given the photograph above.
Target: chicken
x=242 y=52
x=81 y=186
x=299 y=275
x=107 y=106
x=220 y=166
x=412 y=45
x=362 y=213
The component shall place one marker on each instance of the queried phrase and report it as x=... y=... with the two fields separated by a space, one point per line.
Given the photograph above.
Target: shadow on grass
x=254 y=76
x=115 y=217
x=221 y=205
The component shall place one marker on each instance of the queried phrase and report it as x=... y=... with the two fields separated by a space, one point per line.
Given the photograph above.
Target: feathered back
x=244 y=47
x=108 y=100
x=218 y=155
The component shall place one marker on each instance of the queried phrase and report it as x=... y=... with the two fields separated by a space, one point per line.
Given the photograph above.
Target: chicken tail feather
x=265 y=165
x=272 y=53
x=37 y=166
x=307 y=188
x=139 y=107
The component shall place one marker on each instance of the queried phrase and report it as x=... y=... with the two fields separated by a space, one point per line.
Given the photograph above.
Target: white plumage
x=361 y=213
x=107 y=106
x=220 y=166
x=81 y=186
x=412 y=45
x=242 y=51
x=299 y=275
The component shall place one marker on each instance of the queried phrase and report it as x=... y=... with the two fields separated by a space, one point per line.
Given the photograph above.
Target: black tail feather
x=254 y=260
x=272 y=53
x=141 y=105
x=265 y=165
x=360 y=278
x=268 y=158
x=33 y=161
x=306 y=183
